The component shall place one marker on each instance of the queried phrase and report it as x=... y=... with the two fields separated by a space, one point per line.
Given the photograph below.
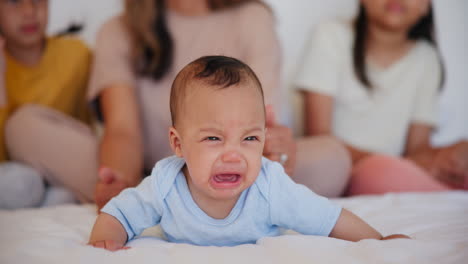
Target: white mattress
x=438 y=223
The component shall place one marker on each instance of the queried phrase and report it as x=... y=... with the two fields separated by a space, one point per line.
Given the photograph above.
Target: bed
x=438 y=223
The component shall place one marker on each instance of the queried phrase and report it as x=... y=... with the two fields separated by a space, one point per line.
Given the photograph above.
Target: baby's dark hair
x=217 y=71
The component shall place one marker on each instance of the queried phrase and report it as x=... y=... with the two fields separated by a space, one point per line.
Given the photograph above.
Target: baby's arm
x=126 y=216
x=108 y=233
x=350 y=227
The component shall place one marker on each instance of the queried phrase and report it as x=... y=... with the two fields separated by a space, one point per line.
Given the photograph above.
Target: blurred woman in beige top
x=137 y=57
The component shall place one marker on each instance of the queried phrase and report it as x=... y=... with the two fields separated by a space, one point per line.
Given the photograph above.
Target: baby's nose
x=231 y=156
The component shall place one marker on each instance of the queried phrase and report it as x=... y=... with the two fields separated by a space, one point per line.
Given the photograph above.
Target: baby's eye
x=251 y=138
x=212 y=138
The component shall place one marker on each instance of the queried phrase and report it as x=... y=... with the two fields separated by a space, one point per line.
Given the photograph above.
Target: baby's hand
x=395 y=237
x=110 y=245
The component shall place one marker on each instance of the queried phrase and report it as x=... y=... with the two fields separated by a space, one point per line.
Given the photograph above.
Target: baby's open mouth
x=226 y=178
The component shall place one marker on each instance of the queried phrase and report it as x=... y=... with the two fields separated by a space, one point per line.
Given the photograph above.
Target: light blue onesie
x=274 y=201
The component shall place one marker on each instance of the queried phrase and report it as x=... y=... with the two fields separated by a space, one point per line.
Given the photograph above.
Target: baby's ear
x=174 y=140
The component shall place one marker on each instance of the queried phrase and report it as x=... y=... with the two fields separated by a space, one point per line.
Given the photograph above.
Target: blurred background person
x=374 y=84
x=43 y=111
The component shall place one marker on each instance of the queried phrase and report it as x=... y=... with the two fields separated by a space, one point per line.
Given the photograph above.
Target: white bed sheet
x=438 y=222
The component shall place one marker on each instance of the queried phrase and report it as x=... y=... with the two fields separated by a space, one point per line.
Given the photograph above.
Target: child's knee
x=30 y=114
x=372 y=174
x=374 y=164
x=50 y=127
x=380 y=174
x=22 y=119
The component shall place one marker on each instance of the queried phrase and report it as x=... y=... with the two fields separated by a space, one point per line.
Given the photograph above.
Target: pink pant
x=379 y=174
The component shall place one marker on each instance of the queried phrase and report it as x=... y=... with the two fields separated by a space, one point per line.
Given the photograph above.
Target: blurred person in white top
x=374 y=84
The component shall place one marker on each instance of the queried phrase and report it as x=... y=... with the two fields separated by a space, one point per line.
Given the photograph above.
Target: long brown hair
x=153 y=48
x=423 y=30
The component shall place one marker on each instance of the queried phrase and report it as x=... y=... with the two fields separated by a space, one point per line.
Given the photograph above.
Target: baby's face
x=221 y=133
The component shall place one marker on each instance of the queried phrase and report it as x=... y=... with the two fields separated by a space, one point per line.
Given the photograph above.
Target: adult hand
x=279 y=143
x=450 y=164
x=108 y=186
x=110 y=245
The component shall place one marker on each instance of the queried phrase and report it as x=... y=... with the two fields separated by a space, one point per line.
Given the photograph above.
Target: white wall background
x=452 y=30
x=295 y=19
x=91 y=13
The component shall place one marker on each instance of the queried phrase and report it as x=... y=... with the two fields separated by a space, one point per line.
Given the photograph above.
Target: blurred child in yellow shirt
x=43 y=83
